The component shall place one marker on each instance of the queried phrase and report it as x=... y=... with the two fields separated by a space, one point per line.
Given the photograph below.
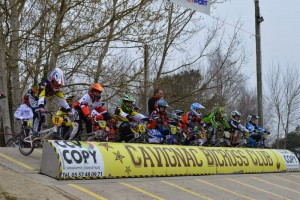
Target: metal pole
x=146 y=71
x=258 y=20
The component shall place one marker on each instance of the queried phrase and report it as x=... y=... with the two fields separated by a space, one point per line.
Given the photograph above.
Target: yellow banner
x=133 y=160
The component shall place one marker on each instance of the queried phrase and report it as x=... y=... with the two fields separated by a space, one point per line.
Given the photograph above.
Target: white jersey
x=86 y=100
x=24 y=112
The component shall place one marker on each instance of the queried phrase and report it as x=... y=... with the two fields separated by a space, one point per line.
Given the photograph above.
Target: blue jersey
x=254 y=127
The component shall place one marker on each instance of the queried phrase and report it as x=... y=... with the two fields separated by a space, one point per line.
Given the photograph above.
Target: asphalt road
x=235 y=186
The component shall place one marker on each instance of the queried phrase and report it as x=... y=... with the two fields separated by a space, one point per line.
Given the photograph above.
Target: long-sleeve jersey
x=33 y=99
x=190 y=119
x=155 y=117
x=24 y=112
x=235 y=126
x=121 y=115
x=251 y=127
x=47 y=92
x=211 y=118
x=87 y=104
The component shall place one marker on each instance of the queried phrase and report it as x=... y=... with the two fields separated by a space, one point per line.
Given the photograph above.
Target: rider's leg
x=77 y=124
x=38 y=119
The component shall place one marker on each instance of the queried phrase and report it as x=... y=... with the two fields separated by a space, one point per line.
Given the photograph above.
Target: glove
x=130 y=119
x=70 y=114
x=190 y=125
x=160 y=121
x=195 y=129
x=89 y=117
x=117 y=111
x=99 y=117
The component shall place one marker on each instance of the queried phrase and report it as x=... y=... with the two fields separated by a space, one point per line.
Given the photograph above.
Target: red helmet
x=26 y=100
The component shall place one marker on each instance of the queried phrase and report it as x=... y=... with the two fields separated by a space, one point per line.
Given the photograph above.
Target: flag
x=197 y=5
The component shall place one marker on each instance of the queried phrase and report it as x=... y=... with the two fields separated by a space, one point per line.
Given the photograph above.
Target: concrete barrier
x=91 y=160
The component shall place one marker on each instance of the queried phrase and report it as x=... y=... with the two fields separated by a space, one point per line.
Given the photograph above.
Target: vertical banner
x=202 y=6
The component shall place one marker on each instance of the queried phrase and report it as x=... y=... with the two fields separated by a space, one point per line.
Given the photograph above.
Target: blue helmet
x=162 y=103
x=196 y=106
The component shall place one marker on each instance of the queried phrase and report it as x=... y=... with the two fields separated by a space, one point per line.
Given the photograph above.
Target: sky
x=280 y=31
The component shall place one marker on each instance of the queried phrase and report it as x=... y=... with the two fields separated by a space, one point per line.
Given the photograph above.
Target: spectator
x=157 y=95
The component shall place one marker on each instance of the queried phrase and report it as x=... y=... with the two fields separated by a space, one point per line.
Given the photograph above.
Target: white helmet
x=233 y=114
x=57 y=79
x=250 y=117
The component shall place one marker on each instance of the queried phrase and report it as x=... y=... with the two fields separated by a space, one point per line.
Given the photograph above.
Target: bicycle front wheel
x=26 y=146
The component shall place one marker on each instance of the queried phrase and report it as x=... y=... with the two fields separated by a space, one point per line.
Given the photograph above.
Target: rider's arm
x=84 y=105
x=225 y=124
x=61 y=100
x=260 y=129
x=211 y=119
x=137 y=115
x=242 y=128
x=41 y=101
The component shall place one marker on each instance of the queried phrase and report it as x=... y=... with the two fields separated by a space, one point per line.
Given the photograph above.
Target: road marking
x=17 y=162
x=142 y=191
x=257 y=188
x=186 y=190
x=286 y=180
x=275 y=185
x=208 y=183
x=87 y=191
x=295 y=176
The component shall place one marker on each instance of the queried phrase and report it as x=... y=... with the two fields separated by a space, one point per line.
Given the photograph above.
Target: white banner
x=291 y=160
x=197 y=5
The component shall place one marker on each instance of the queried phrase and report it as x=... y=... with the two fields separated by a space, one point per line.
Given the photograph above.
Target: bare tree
x=283 y=88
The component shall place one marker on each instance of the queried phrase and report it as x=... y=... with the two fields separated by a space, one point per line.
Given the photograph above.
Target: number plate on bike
x=102 y=123
x=29 y=123
x=173 y=130
x=142 y=128
x=57 y=120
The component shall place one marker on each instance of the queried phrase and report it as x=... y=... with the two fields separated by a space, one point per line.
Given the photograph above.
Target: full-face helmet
x=176 y=114
x=56 y=79
x=127 y=103
x=95 y=91
x=235 y=116
x=196 y=109
x=252 y=118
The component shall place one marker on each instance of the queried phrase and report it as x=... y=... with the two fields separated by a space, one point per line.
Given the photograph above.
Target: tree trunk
x=13 y=62
x=55 y=44
x=5 y=117
x=57 y=34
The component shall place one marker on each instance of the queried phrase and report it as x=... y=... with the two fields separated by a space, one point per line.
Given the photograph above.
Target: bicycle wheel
x=26 y=146
x=13 y=142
